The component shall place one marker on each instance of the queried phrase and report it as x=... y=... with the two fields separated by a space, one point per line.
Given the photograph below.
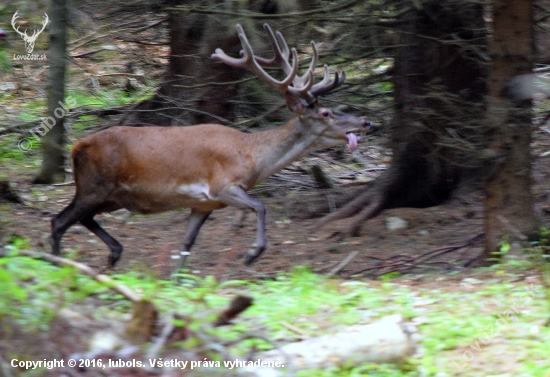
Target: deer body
x=204 y=168
x=201 y=161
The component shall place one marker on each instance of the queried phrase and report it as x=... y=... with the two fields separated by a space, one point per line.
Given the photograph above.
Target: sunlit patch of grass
x=109 y=98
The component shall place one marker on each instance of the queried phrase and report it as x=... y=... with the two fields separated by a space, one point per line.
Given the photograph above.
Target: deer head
x=29 y=40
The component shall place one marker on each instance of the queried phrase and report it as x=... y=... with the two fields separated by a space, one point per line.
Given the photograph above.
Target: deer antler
x=248 y=61
x=302 y=86
x=282 y=55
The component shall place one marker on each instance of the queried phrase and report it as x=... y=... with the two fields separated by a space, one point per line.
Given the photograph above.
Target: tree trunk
x=439 y=84
x=197 y=89
x=509 y=212
x=53 y=153
x=184 y=97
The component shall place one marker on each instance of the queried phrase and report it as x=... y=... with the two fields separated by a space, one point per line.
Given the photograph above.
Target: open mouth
x=353 y=139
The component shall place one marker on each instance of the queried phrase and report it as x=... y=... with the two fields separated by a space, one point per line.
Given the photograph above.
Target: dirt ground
x=149 y=241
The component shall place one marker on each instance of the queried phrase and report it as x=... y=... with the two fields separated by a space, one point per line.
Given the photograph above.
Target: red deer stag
x=208 y=166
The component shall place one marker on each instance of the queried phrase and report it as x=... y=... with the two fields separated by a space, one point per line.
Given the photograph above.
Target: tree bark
x=509 y=212
x=185 y=97
x=197 y=89
x=439 y=84
x=53 y=153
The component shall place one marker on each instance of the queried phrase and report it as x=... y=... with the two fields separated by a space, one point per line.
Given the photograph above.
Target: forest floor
x=451 y=330
x=431 y=242
x=292 y=241
x=151 y=240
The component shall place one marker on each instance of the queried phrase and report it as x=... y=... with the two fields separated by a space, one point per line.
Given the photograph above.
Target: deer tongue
x=352 y=141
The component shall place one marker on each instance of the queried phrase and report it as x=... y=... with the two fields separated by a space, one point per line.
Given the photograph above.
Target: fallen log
x=388 y=340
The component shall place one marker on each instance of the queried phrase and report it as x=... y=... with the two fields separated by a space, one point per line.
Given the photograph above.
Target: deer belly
x=161 y=199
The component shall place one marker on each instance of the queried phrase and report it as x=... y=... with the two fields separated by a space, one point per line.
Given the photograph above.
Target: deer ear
x=295 y=103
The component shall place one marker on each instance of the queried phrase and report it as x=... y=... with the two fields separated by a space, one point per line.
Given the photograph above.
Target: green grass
x=5 y=62
x=11 y=153
x=102 y=99
x=33 y=291
x=464 y=332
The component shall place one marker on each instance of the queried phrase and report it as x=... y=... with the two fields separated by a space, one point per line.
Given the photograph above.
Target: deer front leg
x=237 y=197
x=196 y=219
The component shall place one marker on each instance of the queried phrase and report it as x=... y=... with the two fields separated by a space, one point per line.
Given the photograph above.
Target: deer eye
x=325 y=113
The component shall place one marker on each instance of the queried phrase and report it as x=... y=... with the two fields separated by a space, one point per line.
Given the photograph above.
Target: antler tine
x=249 y=61
x=280 y=48
x=301 y=81
x=246 y=53
x=301 y=84
x=325 y=86
x=282 y=42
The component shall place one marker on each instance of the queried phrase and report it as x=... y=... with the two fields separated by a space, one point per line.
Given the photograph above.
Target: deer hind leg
x=110 y=241
x=240 y=219
x=73 y=213
x=237 y=197
x=83 y=211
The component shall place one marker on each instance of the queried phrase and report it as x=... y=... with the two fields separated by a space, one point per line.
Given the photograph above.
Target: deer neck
x=278 y=147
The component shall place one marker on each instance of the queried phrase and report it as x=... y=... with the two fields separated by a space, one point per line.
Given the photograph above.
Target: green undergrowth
x=5 y=63
x=25 y=148
x=468 y=325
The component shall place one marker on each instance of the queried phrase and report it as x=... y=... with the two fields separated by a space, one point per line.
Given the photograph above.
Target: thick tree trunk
x=439 y=84
x=197 y=89
x=186 y=97
x=53 y=153
x=509 y=213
